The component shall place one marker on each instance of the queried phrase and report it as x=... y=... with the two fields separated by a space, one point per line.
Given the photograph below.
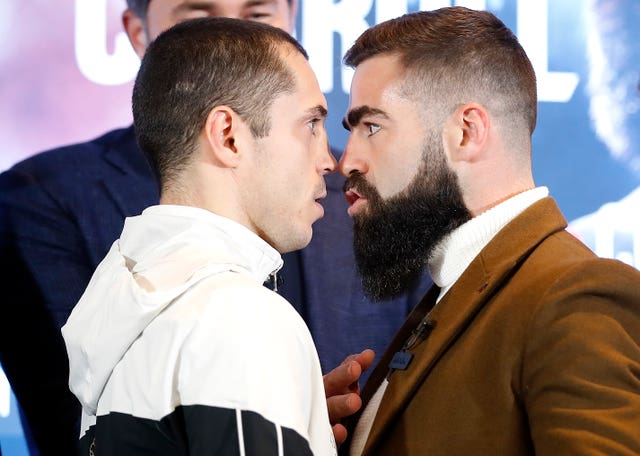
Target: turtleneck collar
x=453 y=254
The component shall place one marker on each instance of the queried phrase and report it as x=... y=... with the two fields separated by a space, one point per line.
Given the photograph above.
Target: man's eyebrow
x=213 y=8
x=193 y=5
x=354 y=116
x=260 y=2
x=253 y=3
x=319 y=111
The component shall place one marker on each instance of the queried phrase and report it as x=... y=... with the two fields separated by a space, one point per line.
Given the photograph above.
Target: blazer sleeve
x=47 y=242
x=43 y=271
x=581 y=370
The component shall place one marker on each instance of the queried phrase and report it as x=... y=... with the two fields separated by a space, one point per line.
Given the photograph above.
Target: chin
x=295 y=240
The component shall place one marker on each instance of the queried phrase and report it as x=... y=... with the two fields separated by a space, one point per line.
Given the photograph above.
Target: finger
x=361 y=362
x=348 y=359
x=365 y=358
x=343 y=406
x=365 y=355
x=341 y=380
x=339 y=433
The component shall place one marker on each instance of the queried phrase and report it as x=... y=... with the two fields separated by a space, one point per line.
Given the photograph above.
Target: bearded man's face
x=394 y=237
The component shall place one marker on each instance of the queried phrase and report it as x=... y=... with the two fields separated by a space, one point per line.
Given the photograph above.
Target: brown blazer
x=535 y=350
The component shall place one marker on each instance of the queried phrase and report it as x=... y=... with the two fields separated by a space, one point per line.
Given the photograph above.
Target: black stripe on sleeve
x=260 y=438
x=190 y=430
x=259 y=435
x=211 y=430
x=294 y=444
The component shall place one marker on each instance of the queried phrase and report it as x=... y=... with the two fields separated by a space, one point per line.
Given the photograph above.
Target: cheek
x=290 y=167
x=157 y=26
x=393 y=176
x=280 y=23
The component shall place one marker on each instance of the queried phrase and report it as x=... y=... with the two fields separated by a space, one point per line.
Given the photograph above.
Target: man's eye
x=193 y=14
x=257 y=16
x=312 y=124
x=372 y=129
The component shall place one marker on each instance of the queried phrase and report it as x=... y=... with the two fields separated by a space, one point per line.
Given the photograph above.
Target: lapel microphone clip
x=401 y=359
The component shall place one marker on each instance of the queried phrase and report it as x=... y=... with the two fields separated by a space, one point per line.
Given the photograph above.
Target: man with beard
x=527 y=343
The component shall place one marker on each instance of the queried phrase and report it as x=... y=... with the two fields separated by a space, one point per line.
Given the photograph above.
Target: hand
x=343 y=390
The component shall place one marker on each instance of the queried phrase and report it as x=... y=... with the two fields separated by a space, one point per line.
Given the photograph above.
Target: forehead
x=274 y=12
x=307 y=89
x=222 y=5
x=380 y=85
x=376 y=81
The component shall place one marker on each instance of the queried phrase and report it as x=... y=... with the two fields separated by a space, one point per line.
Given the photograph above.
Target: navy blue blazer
x=60 y=212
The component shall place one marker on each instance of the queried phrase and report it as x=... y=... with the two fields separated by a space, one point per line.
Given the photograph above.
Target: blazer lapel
x=451 y=315
x=382 y=367
x=456 y=310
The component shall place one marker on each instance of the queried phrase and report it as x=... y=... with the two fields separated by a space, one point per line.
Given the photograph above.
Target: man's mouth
x=320 y=193
x=352 y=196
x=355 y=200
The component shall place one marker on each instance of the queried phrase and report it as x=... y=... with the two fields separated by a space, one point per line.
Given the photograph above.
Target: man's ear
x=221 y=127
x=134 y=27
x=467 y=132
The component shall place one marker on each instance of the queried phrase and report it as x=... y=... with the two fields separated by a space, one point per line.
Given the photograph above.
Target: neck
x=482 y=209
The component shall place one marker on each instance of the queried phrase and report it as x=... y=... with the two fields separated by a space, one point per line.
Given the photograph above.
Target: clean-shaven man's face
x=283 y=186
x=163 y=14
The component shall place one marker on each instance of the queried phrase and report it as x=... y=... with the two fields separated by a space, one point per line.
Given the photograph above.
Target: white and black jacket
x=176 y=348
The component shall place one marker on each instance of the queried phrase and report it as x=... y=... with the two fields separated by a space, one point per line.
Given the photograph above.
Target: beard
x=394 y=237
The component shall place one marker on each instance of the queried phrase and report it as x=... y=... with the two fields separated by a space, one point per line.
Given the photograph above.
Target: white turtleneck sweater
x=448 y=261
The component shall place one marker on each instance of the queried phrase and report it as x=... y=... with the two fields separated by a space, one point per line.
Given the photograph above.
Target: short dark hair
x=455 y=55
x=197 y=65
